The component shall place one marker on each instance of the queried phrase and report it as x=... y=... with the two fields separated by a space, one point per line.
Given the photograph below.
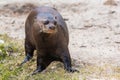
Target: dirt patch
x=110 y=2
x=17 y=8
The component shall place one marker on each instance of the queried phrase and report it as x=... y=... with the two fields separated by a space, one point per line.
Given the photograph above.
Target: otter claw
x=72 y=70
x=35 y=72
x=27 y=58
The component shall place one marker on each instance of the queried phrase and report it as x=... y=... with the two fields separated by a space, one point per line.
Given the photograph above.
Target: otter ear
x=55 y=20
x=55 y=9
x=55 y=17
x=65 y=19
x=35 y=18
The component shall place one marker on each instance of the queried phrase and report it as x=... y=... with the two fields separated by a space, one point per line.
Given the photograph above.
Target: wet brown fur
x=51 y=46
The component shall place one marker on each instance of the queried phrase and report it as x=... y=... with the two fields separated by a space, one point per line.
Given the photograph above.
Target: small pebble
x=2 y=42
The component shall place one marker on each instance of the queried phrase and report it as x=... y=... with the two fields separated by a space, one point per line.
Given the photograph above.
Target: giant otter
x=46 y=32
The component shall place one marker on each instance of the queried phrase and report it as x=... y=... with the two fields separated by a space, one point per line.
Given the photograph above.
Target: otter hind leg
x=42 y=64
x=28 y=52
x=67 y=65
x=66 y=59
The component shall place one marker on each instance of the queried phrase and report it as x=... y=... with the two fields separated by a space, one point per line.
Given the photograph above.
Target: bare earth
x=94 y=26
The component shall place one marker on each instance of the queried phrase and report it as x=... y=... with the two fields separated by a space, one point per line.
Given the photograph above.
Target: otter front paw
x=72 y=70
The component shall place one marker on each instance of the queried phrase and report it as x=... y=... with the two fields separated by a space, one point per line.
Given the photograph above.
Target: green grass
x=12 y=54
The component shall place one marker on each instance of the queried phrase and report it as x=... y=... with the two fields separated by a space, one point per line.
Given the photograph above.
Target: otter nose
x=52 y=27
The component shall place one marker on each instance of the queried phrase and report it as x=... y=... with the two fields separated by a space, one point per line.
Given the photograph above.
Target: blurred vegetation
x=9 y=46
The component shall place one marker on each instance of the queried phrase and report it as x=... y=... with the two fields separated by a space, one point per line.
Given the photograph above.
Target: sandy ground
x=94 y=26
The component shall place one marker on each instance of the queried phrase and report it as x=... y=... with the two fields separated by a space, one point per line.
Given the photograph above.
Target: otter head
x=46 y=23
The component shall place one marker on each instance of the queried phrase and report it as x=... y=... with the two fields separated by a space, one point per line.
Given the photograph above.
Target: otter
x=46 y=32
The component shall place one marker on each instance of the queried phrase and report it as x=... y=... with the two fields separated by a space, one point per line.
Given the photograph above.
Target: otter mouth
x=49 y=31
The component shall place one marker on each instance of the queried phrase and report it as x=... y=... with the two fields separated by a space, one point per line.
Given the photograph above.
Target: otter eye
x=55 y=23
x=46 y=22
